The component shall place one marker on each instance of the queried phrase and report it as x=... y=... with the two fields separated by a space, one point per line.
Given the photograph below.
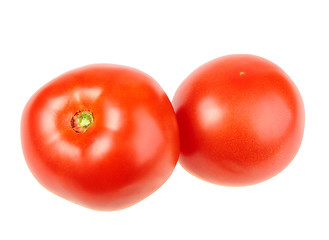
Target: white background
x=168 y=40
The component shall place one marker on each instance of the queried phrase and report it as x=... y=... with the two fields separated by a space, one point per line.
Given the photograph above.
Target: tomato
x=102 y=136
x=241 y=120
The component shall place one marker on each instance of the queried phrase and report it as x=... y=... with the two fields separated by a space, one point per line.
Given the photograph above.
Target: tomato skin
x=129 y=151
x=241 y=120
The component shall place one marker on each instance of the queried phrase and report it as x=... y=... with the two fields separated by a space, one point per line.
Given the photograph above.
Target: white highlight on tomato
x=100 y=147
x=113 y=118
x=211 y=112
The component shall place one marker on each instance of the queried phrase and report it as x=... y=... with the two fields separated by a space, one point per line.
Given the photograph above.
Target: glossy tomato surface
x=102 y=136
x=241 y=120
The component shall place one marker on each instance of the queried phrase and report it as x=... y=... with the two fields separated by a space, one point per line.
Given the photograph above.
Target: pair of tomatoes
x=106 y=136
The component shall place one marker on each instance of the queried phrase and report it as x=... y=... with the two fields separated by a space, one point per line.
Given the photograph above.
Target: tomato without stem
x=241 y=120
x=102 y=136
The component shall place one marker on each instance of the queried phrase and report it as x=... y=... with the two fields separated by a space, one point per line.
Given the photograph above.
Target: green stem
x=82 y=121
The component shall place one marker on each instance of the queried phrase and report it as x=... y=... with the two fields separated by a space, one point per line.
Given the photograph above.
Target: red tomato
x=102 y=136
x=241 y=120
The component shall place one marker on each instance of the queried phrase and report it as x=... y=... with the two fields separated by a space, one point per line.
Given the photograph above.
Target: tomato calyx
x=82 y=120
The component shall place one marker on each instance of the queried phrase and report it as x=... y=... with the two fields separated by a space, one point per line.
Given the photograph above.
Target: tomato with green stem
x=103 y=136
